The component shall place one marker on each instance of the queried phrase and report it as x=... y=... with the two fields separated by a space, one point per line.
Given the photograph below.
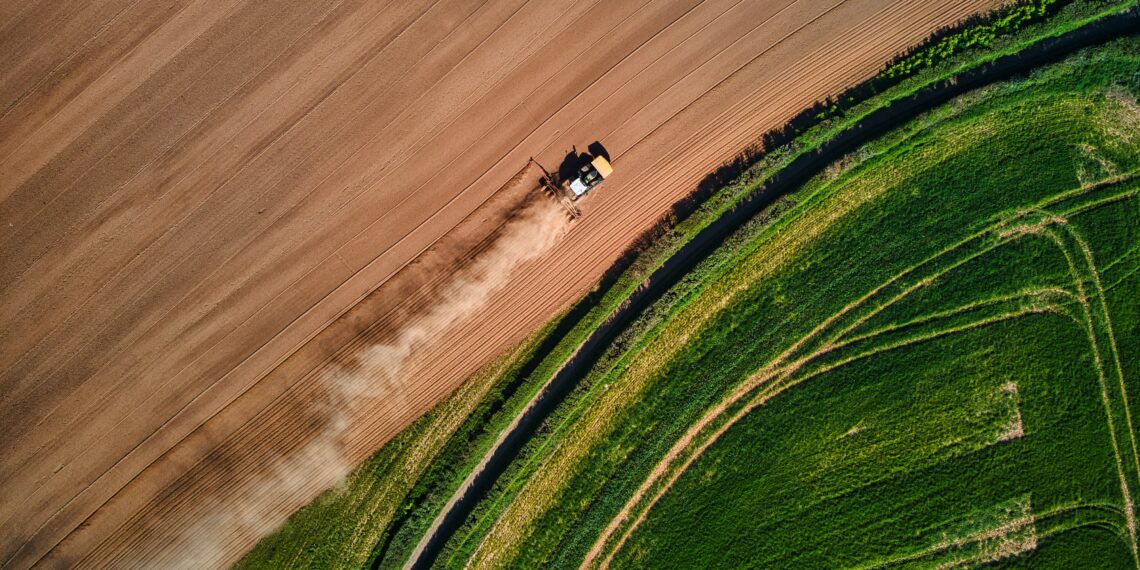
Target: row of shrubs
x=982 y=34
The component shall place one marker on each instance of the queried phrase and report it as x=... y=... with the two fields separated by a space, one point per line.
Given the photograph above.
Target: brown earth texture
x=243 y=243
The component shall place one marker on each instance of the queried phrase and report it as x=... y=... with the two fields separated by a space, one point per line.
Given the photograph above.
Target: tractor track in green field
x=1032 y=519
x=1090 y=326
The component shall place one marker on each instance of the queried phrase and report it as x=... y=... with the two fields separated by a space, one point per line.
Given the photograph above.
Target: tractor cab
x=590 y=175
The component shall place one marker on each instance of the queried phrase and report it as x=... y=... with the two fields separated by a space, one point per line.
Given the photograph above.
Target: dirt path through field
x=191 y=192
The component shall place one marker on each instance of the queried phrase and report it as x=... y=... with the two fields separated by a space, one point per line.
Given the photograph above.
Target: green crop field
x=928 y=361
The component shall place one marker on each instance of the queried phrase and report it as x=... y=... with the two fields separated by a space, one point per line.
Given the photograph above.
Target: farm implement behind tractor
x=593 y=171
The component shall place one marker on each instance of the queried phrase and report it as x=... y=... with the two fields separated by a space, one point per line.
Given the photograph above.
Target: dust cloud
x=380 y=370
x=378 y=375
x=318 y=464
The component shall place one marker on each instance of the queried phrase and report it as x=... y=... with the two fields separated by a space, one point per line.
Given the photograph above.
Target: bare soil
x=195 y=195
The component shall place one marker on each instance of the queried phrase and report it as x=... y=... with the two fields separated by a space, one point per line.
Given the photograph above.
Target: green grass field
x=926 y=362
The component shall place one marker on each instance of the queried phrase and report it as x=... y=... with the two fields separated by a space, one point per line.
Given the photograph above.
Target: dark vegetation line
x=786 y=180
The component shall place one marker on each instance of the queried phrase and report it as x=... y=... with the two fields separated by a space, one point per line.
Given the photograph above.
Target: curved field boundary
x=799 y=170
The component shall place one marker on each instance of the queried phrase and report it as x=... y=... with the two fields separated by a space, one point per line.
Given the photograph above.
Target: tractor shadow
x=574 y=160
x=568 y=169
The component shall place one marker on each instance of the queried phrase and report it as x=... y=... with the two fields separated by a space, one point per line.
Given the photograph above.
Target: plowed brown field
x=193 y=191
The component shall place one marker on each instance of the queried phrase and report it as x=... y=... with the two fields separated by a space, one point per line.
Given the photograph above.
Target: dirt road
x=191 y=192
